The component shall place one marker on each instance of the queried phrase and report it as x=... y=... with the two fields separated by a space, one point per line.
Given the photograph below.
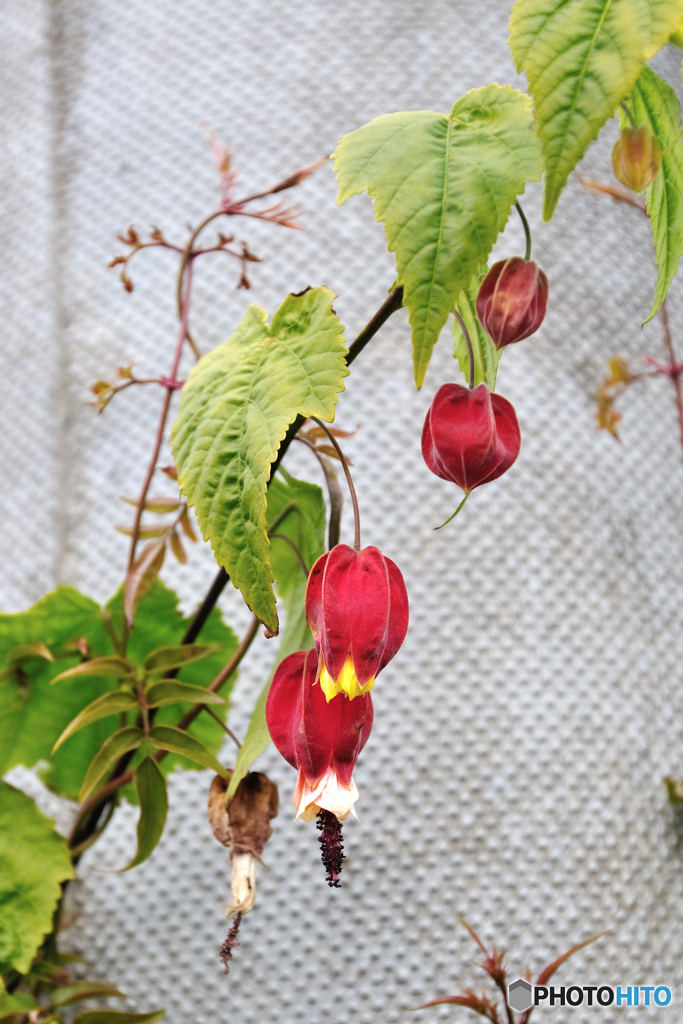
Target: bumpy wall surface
x=515 y=771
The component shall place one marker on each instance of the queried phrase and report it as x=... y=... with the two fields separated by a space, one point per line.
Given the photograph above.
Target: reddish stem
x=674 y=368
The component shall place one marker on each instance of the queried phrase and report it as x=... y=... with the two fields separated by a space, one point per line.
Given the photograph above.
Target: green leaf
x=158 y=622
x=120 y=743
x=486 y=355
x=234 y=412
x=654 y=103
x=34 y=860
x=65 y=995
x=151 y=787
x=166 y=658
x=306 y=527
x=22 y=1002
x=582 y=57
x=116 y=1017
x=115 y=667
x=172 y=692
x=108 y=704
x=166 y=737
x=444 y=186
x=32 y=713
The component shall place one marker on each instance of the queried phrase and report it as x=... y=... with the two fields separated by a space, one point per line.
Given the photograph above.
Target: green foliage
x=581 y=58
x=102 y=707
x=116 y=1017
x=443 y=185
x=486 y=355
x=34 y=860
x=654 y=103
x=305 y=526
x=171 y=692
x=234 y=412
x=166 y=658
x=22 y=1002
x=153 y=799
x=128 y=738
x=167 y=737
x=76 y=991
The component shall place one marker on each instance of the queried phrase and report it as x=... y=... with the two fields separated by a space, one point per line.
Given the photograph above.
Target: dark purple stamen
x=331 y=846
x=225 y=952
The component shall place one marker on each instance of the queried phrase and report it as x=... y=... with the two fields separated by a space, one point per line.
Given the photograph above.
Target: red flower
x=470 y=437
x=636 y=158
x=320 y=738
x=357 y=608
x=512 y=300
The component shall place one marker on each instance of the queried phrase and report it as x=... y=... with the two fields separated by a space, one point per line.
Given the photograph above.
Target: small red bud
x=512 y=300
x=470 y=437
x=636 y=158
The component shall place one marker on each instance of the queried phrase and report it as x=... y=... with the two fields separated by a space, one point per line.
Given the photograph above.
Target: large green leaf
x=306 y=527
x=582 y=58
x=34 y=860
x=108 y=704
x=486 y=355
x=159 y=623
x=443 y=185
x=234 y=412
x=32 y=713
x=654 y=102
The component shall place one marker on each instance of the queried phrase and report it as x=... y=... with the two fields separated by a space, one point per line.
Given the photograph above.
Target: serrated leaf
x=153 y=799
x=166 y=658
x=117 y=1017
x=486 y=355
x=22 y=1003
x=116 y=668
x=173 y=692
x=75 y=992
x=654 y=103
x=443 y=185
x=306 y=527
x=166 y=737
x=108 y=704
x=582 y=57
x=234 y=412
x=120 y=743
x=34 y=860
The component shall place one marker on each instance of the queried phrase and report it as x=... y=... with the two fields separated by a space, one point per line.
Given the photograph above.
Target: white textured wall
x=514 y=773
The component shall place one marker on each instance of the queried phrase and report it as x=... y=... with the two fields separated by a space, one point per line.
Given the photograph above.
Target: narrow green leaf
x=151 y=787
x=65 y=995
x=166 y=658
x=22 y=1002
x=122 y=741
x=116 y=667
x=443 y=185
x=582 y=58
x=167 y=737
x=171 y=692
x=34 y=860
x=486 y=355
x=654 y=103
x=102 y=707
x=234 y=412
x=117 y=1017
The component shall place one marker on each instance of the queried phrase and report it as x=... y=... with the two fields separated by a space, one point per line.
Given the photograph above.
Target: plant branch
x=223 y=726
x=347 y=474
x=674 y=368
x=292 y=545
x=527 y=231
x=334 y=493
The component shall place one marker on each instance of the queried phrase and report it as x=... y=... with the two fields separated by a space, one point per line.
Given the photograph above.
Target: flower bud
x=512 y=300
x=470 y=437
x=636 y=158
x=357 y=608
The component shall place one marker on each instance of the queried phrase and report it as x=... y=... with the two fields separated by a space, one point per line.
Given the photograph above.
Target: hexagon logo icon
x=519 y=995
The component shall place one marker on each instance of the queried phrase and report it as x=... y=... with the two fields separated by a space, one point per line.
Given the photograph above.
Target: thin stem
x=291 y=506
x=470 y=351
x=347 y=474
x=392 y=304
x=527 y=231
x=206 y=607
x=334 y=493
x=292 y=545
x=629 y=115
x=674 y=369
x=223 y=726
x=455 y=513
x=185 y=263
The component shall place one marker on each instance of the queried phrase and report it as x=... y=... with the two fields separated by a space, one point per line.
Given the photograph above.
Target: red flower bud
x=512 y=300
x=321 y=739
x=636 y=158
x=357 y=608
x=470 y=437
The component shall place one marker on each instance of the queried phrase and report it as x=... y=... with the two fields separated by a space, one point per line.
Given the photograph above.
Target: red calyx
x=311 y=733
x=357 y=608
x=512 y=300
x=470 y=437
